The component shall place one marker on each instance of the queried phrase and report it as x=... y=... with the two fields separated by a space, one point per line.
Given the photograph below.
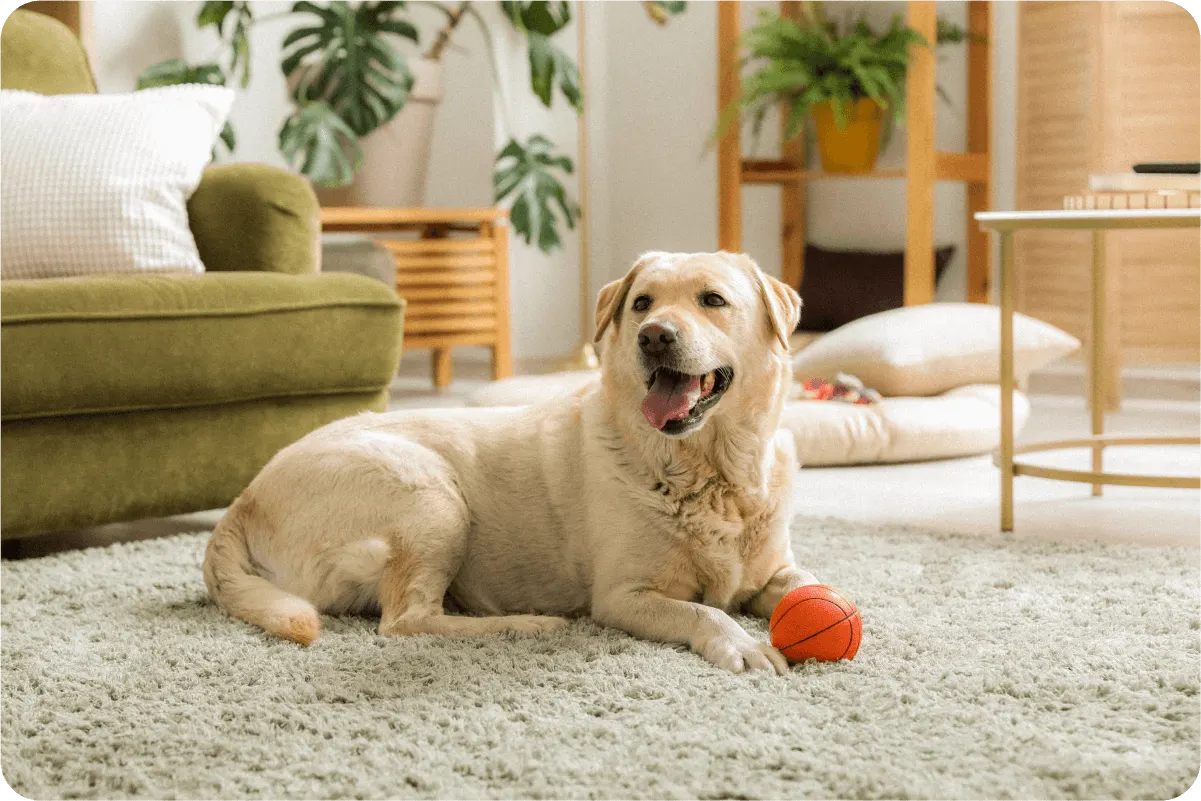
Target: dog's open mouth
x=675 y=401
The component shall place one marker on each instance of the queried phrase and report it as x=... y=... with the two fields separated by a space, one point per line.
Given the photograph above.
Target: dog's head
x=696 y=336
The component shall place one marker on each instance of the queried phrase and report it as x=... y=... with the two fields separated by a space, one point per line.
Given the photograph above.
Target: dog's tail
x=234 y=584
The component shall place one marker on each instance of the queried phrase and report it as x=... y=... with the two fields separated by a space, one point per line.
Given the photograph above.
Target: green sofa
x=125 y=396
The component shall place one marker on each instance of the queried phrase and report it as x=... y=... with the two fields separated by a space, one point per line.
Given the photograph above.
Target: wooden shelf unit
x=452 y=269
x=924 y=164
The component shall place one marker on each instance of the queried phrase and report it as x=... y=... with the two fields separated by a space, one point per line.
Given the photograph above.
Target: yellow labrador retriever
x=657 y=499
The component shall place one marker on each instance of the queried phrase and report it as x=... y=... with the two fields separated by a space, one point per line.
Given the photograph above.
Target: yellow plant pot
x=855 y=147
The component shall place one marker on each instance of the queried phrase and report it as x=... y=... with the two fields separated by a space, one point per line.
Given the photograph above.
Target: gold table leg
x=1096 y=379
x=1006 y=380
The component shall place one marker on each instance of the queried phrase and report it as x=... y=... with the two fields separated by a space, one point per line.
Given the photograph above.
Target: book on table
x=1143 y=182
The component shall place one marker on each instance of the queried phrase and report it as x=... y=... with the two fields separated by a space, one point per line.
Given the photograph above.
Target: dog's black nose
x=655 y=338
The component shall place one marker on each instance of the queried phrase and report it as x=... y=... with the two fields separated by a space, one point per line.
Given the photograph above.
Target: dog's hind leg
x=419 y=571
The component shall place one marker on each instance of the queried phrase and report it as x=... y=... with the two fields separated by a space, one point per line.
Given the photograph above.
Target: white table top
x=1090 y=218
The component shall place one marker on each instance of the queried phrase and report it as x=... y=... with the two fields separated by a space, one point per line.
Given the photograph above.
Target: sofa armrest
x=255 y=217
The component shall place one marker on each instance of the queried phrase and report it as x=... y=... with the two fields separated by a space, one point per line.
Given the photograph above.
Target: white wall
x=652 y=101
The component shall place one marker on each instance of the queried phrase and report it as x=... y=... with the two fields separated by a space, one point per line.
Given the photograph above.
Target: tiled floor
x=959 y=495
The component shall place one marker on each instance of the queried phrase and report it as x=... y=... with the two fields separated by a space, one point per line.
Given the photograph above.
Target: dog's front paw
x=737 y=655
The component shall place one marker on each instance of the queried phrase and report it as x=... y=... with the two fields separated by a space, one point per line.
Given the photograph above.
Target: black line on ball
x=852 y=640
x=823 y=631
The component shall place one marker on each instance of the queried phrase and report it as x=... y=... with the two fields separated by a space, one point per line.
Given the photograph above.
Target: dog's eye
x=712 y=299
x=642 y=303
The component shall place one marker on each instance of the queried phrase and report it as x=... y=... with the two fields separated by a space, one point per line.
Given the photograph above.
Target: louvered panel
x=448 y=325
x=1156 y=110
x=1160 y=287
x=1099 y=88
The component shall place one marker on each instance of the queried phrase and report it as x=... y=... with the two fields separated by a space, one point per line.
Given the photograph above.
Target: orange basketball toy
x=816 y=622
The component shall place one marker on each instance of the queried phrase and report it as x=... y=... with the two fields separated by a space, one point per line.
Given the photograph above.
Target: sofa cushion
x=126 y=343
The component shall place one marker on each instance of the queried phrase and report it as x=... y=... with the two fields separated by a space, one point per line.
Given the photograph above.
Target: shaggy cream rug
x=989 y=668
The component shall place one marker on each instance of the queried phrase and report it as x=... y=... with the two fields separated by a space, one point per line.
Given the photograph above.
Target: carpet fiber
x=988 y=669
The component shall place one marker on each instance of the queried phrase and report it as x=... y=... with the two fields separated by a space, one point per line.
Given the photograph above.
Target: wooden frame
x=453 y=275
x=925 y=165
x=1007 y=224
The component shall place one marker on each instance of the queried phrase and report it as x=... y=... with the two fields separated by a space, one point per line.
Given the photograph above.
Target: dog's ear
x=782 y=302
x=612 y=297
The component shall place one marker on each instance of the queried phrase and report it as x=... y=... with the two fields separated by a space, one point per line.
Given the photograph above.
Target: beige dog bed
x=962 y=422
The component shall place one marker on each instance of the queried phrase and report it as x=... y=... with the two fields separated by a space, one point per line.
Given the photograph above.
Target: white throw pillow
x=99 y=183
x=929 y=349
x=962 y=422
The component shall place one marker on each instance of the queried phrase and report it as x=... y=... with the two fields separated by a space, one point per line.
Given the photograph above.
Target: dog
x=657 y=499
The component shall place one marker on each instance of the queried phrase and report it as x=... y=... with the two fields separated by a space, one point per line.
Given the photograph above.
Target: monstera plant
x=347 y=75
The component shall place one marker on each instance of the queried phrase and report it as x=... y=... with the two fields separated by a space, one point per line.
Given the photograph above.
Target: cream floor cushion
x=962 y=422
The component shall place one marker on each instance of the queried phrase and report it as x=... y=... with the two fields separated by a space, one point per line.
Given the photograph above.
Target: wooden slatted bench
x=452 y=269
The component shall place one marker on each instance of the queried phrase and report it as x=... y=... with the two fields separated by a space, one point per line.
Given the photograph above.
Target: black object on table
x=1170 y=167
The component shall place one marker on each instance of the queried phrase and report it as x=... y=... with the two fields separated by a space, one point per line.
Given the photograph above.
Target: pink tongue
x=668 y=398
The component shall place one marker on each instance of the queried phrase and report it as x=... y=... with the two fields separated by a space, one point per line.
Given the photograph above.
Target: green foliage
x=539 y=20
x=174 y=72
x=348 y=77
x=343 y=58
x=538 y=16
x=803 y=65
x=318 y=142
x=808 y=62
x=216 y=13
x=526 y=173
x=547 y=62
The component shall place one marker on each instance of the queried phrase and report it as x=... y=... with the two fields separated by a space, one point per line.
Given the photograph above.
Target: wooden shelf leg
x=729 y=149
x=443 y=369
x=502 y=353
x=979 y=131
x=919 y=191
x=792 y=193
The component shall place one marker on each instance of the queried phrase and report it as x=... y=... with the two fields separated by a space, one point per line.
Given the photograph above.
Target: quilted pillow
x=100 y=183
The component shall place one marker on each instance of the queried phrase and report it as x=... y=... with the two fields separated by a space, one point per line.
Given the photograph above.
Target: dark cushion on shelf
x=839 y=286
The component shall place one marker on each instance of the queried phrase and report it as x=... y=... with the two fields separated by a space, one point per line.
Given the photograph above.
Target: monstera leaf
x=318 y=143
x=174 y=72
x=525 y=173
x=240 y=18
x=538 y=16
x=539 y=21
x=548 y=63
x=345 y=59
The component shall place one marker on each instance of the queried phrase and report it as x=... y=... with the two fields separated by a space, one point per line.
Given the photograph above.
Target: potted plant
x=365 y=106
x=851 y=81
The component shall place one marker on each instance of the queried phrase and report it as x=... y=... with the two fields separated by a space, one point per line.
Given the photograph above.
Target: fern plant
x=805 y=63
x=348 y=77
